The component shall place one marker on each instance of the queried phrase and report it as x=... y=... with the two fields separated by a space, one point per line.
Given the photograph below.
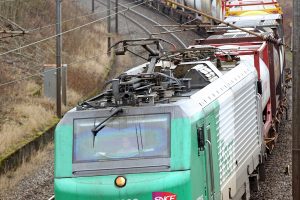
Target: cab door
x=207 y=147
x=210 y=172
x=211 y=157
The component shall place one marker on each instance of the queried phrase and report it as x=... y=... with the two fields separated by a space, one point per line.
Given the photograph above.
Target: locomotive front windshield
x=128 y=137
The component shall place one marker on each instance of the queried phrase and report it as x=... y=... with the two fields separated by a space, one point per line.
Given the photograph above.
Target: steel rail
x=135 y=22
x=141 y=26
x=154 y=22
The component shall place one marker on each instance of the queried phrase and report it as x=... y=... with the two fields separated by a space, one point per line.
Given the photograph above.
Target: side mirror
x=201 y=139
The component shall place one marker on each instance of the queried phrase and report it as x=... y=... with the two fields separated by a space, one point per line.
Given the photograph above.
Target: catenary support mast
x=58 y=58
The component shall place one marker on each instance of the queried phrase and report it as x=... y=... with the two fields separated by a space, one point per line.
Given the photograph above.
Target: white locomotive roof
x=205 y=96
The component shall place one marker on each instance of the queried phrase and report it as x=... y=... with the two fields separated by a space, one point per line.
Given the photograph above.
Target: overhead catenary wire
x=12 y=23
x=41 y=73
x=175 y=26
x=262 y=36
x=179 y=24
x=7 y=1
x=174 y=31
x=153 y=21
x=190 y=26
x=11 y=36
x=54 y=69
x=69 y=20
x=134 y=21
x=70 y=30
x=74 y=18
x=165 y=15
x=11 y=33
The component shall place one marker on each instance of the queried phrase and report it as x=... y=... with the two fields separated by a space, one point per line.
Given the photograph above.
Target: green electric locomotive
x=185 y=126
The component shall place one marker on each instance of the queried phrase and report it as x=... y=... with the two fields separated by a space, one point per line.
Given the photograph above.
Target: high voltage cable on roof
x=78 y=17
x=70 y=30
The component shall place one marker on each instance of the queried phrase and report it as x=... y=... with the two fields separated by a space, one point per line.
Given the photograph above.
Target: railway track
x=134 y=15
x=156 y=23
x=278 y=166
x=134 y=22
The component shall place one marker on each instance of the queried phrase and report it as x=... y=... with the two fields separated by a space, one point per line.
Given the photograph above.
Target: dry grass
x=23 y=109
x=11 y=179
x=73 y=97
x=30 y=118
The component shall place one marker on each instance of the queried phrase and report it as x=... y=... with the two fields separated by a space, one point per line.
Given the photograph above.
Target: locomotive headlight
x=120 y=181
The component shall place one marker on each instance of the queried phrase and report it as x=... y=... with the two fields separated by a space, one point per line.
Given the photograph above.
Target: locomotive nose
x=147 y=186
x=159 y=186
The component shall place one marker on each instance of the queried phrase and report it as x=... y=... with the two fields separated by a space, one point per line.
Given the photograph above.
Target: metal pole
x=93 y=5
x=58 y=58
x=117 y=16
x=108 y=25
x=64 y=84
x=296 y=101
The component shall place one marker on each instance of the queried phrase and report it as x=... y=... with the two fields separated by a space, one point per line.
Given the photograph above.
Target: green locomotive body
x=200 y=144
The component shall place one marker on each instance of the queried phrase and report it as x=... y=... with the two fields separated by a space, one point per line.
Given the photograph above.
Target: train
x=190 y=124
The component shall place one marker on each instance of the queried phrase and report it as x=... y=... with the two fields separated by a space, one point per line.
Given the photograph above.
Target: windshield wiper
x=101 y=125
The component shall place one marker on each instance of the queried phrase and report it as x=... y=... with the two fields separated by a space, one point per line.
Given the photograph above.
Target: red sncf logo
x=163 y=196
